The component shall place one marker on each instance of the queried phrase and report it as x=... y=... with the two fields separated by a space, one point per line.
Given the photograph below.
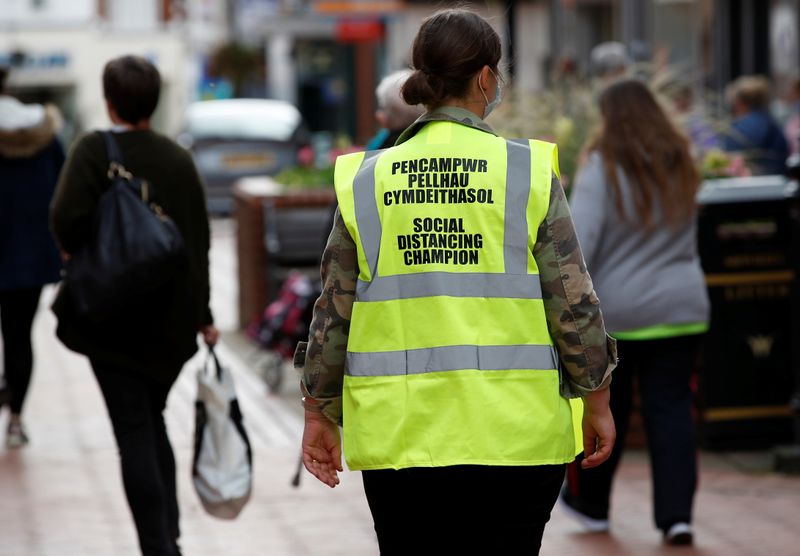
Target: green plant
x=236 y=62
x=564 y=114
x=718 y=164
x=306 y=177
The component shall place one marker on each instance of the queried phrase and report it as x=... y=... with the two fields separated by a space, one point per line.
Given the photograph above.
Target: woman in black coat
x=137 y=351
x=30 y=160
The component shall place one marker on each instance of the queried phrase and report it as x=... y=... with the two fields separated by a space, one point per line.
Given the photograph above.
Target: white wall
x=88 y=51
x=134 y=14
x=532 y=45
x=24 y=13
x=207 y=24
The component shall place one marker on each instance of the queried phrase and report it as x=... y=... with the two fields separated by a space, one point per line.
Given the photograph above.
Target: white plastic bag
x=222 y=472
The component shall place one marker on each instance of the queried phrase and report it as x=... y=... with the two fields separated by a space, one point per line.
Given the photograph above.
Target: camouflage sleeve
x=587 y=353
x=323 y=370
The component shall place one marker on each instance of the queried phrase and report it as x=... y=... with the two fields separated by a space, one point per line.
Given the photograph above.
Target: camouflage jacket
x=587 y=354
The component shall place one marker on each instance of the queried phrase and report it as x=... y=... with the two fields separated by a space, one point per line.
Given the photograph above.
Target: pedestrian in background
x=635 y=215
x=754 y=131
x=30 y=160
x=138 y=352
x=791 y=128
x=393 y=114
x=610 y=61
x=680 y=95
x=440 y=359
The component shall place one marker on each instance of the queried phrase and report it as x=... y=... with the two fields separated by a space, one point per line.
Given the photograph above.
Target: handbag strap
x=114 y=154
x=217 y=366
x=116 y=168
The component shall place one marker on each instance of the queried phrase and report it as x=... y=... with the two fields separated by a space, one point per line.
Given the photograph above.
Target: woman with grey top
x=635 y=216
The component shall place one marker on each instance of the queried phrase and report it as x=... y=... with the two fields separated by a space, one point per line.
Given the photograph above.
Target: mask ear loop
x=485 y=98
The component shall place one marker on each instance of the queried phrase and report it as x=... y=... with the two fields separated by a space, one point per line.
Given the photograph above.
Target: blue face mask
x=498 y=96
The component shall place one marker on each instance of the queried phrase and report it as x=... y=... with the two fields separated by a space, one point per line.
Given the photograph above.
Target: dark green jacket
x=158 y=336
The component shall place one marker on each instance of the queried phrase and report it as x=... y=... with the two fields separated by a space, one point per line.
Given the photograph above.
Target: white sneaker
x=590 y=524
x=16 y=436
x=679 y=534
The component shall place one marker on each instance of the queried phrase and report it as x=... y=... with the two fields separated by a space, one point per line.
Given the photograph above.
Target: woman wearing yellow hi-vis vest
x=457 y=321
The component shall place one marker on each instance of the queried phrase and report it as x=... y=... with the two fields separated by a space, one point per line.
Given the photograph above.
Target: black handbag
x=134 y=248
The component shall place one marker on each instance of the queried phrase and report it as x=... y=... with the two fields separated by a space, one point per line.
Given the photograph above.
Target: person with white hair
x=610 y=60
x=393 y=114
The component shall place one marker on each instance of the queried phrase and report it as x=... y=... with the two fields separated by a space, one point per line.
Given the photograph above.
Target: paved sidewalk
x=62 y=495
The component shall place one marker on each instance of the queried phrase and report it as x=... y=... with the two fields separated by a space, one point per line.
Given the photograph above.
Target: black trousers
x=462 y=509
x=17 y=309
x=135 y=404
x=663 y=369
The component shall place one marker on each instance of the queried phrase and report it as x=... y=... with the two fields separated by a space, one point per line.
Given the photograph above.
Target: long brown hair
x=637 y=137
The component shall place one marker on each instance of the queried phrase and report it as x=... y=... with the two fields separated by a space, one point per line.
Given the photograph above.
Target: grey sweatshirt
x=643 y=278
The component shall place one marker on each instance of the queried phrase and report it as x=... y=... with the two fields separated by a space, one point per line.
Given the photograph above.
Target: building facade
x=714 y=41
x=327 y=56
x=57 y=50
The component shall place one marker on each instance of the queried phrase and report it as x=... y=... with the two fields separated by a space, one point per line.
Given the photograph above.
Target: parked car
x=234 y=138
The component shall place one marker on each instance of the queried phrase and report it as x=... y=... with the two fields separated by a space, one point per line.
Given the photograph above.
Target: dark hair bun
x=422 y=88
x=451 y=46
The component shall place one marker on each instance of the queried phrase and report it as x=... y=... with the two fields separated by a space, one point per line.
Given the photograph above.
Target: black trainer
x=573 y=508
x=679 y=534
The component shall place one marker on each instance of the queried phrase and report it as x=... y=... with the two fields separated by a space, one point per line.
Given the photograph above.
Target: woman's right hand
x=322 y=448
x=599 y=432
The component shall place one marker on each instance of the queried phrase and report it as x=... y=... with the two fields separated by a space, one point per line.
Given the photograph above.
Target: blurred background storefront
x=57 y=50
x=715 y=40
x=327 y=56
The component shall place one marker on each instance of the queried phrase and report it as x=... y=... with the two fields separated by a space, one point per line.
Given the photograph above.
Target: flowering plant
x=719 y=164
x=315 y=166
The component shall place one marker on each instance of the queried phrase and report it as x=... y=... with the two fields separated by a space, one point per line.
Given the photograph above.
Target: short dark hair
x=4 y=70
x=131 y=86
x=450 y=47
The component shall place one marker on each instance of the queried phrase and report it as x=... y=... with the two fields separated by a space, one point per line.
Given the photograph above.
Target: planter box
x=277 y=229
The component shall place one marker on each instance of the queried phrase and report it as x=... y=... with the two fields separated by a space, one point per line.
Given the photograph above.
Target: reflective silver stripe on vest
x=453 y=284
x=515 y=282
x=518 y=188
x=369 y=223
x=450 y=358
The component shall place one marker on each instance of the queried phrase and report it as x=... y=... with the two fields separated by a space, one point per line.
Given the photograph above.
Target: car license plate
x=248 y=161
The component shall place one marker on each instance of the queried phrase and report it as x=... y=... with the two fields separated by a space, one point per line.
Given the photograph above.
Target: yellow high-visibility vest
x=449 y=359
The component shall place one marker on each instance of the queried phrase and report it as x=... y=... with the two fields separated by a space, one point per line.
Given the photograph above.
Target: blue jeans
x=663 y=370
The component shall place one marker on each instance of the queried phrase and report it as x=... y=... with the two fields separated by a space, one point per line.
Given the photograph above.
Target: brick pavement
x=62 y=495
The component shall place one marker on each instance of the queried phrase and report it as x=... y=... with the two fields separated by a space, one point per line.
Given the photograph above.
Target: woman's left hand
x=210 y=334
